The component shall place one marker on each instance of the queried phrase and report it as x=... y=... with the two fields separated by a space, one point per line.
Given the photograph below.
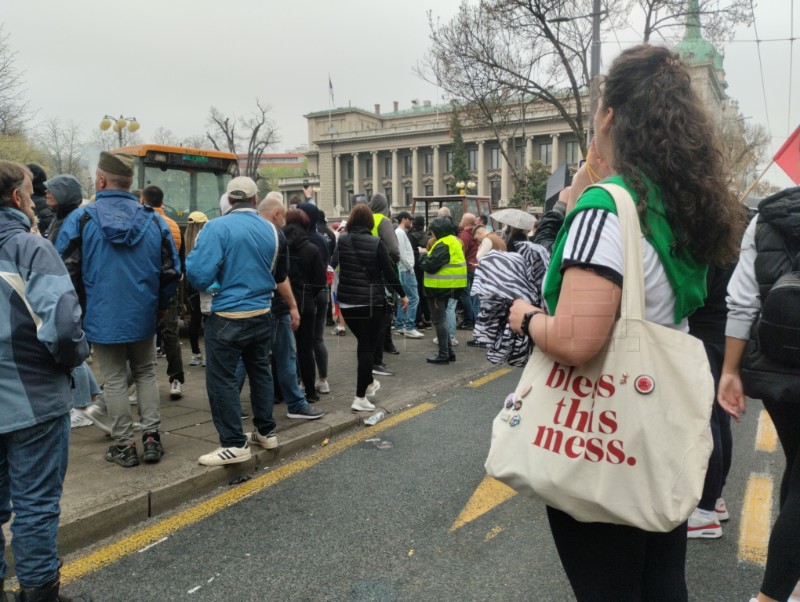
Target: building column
x=528 y=151
x=375 y=179
x=356 y=175
x=337 y=188
x=414 y=171
x=437 y=171
x=395 y=176
x=554 y=163
x=505 y=178
x=483 y=181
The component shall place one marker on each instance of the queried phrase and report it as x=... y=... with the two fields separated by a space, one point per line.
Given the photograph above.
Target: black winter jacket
x=306 y=268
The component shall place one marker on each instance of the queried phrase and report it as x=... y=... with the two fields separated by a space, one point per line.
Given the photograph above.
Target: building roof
x=693 y=48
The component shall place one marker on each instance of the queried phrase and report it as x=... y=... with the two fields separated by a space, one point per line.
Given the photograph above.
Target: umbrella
x=516 y=218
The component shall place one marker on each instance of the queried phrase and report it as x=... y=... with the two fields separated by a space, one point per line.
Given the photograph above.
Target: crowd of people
x=262 y=283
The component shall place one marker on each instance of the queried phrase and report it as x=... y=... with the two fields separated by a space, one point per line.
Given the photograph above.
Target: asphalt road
x=376 y=522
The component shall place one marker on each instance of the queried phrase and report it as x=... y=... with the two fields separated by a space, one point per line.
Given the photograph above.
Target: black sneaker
x=153 y=450
x=124 y=455
x=382 y=370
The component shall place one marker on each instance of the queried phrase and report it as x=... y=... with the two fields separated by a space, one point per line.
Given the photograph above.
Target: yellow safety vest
x=453 y=274
x=379 y=217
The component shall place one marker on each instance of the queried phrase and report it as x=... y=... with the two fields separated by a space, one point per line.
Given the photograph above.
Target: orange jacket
x=173 y=227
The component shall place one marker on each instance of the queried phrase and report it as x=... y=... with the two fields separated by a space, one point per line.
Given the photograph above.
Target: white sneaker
x=78 y=419
x=361 y=404
x=197 y=360
x=98 y=417
x=414 y=334
x=269 y=441
x=400 y=331
x=373 y=388
x=176 y=390
x=226 y=455
x=133 y=397
x=704 y=525
x=323 y=386
x=453 y=341
x=722 y=510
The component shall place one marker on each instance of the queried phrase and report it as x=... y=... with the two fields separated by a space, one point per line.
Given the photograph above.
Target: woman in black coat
x=364 y=270
x=307 y=277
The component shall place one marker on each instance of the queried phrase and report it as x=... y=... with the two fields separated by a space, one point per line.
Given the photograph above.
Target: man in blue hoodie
x=41 y=340
x=121 y=256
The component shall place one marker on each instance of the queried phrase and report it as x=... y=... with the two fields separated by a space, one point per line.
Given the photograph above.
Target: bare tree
x=109 y=139
x=64 y=148
x=14 y=109
x=196 y=141
x=745 y=146
x=254 y=135
x=164 y=136
x=503 y=59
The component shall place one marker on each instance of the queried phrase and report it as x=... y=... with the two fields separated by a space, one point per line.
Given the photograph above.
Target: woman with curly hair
x=654 y=138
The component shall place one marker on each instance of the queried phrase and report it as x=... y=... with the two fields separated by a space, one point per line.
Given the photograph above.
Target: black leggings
x=304 y=337
x=365 y=323
x=195 y=322
x=614 y=563
x=783 y=553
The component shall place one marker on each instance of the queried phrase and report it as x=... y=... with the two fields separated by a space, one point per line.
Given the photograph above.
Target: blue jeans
x=33 y=462
x=285 y=354
x=226 y=341
x=407 y=320
x=450 y=317
x=470 y=303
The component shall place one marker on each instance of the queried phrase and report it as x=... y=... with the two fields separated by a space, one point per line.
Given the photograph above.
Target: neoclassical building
x=407 y=152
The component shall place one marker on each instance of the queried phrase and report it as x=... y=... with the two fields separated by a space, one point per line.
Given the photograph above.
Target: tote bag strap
x=632 y=304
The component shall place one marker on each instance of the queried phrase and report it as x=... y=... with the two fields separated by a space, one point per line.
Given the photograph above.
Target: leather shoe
x=393 y=350
x=437 y=360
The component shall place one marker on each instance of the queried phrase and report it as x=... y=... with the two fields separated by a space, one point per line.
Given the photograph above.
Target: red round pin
x=644 y=384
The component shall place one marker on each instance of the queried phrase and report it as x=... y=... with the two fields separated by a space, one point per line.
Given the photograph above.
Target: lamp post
x=118 y=124
x=464 y=186
x=594 y=66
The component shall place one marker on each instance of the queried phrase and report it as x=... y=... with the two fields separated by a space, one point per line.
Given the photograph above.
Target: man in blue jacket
x=121 y=256
x=41 y=340
x=236 y=254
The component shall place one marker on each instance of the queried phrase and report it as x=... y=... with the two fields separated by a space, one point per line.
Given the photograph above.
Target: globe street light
x=118 y=124
x=464 y=186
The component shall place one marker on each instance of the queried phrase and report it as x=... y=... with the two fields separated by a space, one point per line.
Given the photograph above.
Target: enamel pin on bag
x=623 y=439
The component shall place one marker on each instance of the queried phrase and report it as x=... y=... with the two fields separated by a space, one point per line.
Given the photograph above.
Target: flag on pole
x=788 y=157
x=330 y=89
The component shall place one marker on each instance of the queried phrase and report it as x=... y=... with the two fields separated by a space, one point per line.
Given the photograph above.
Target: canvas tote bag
x=623 y=439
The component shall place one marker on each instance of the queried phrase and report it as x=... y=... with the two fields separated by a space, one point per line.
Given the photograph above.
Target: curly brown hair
x=661 y=130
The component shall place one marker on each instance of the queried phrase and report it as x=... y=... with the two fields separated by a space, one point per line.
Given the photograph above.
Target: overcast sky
x=167 y=61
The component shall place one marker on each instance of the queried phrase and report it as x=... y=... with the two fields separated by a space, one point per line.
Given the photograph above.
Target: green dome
x=694 y=49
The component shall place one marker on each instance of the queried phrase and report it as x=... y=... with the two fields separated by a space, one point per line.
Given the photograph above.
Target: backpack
x=778 y=328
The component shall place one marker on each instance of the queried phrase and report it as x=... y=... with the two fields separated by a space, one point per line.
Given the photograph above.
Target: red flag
x=788 y=157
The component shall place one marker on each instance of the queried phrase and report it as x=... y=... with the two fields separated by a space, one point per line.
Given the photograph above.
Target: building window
x=573 y=152
x=350 y=169
x=472 y=159
x=521 y=156
x=387 y=167
x=496 y=155
x=448 y=159
x=428 y=163
x=387 y=192
x=546 y=153
x=495 y=191
x=368 y=193
x=408 y=195
x=368 y=167
x=429 y=190
x=407 y=164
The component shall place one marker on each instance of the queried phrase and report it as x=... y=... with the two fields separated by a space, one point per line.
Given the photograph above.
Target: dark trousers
x=384 y=340
x=719 y=464
x=171 y=344
x=612 y=563
x=195 y=322
x=365 y=324
x=438 y=306
x=304 y=337
x=423 y=311
x=783 y=553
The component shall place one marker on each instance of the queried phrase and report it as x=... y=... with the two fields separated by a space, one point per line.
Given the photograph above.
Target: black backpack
x=779 y=322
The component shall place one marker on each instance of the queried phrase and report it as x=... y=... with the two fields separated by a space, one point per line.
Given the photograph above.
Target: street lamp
x=464 y=186
x=118 y=124
x=594 y=69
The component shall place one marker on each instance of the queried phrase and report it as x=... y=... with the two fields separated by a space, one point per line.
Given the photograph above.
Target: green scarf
x=687 y=277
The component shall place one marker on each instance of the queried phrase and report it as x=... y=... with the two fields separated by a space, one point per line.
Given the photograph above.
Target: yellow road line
x=755 y=525
x=488 y=378
x=108 y=555
x=489 y=494
x=766 y=436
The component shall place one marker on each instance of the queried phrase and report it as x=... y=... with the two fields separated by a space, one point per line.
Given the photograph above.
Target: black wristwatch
x=526 y=321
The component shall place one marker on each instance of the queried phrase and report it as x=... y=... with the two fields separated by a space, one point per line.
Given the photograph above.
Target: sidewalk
x=101 y=498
